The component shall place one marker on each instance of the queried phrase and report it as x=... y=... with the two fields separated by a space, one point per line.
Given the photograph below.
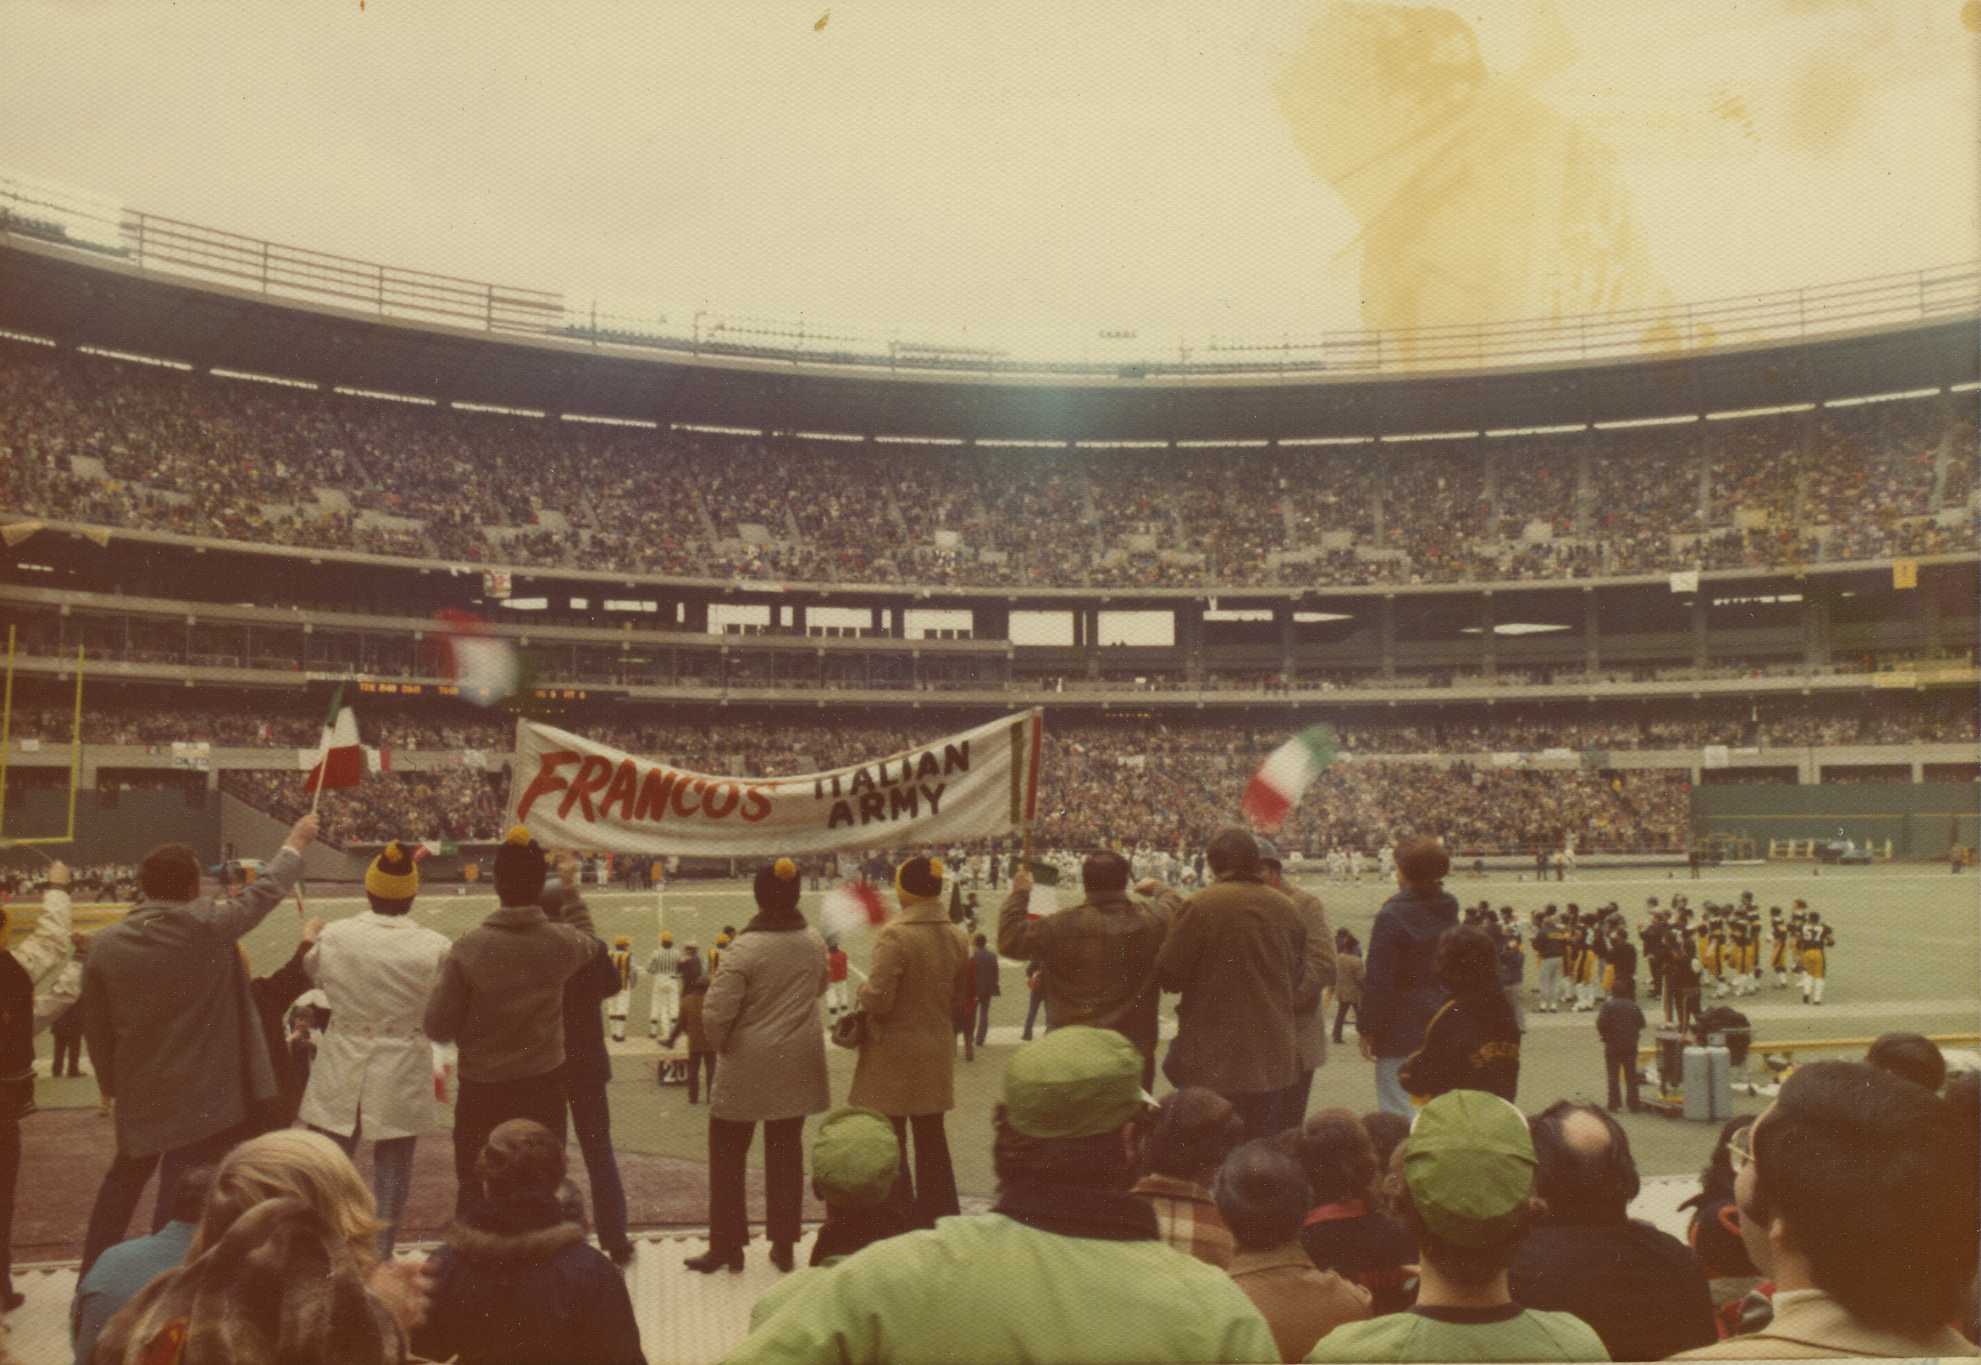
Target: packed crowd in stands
x=1243 y=1216
x=118 y=444
x=1165 y=789
x=752 y=746
x=457 y=804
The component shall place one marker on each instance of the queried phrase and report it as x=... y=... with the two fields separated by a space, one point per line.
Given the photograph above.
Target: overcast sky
x=1093 y=164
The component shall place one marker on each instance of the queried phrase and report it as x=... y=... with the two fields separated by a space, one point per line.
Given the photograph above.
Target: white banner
x=574 y=793
x=1685 y=580
x=1714 y=756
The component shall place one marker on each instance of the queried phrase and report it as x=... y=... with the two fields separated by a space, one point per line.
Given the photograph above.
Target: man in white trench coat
x=374 y=1070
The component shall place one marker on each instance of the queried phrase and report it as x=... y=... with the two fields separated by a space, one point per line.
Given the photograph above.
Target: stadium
x=1617 y=603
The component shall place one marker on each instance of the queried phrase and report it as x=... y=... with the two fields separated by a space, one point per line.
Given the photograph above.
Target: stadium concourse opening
x=1611 y=740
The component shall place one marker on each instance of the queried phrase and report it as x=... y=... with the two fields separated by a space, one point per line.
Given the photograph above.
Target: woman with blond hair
x=283 y=1267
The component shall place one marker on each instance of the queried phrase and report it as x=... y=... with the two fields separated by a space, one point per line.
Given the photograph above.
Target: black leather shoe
x=780 y=1255
x=712 y=1260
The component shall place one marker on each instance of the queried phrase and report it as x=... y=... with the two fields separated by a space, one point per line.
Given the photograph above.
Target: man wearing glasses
x=1857 y=1197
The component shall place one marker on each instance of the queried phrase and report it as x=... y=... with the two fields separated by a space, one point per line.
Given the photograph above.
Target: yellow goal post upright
x=6 y=747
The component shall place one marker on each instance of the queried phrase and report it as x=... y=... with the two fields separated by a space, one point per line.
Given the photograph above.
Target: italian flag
x=1285 y=776
x=341 y=761
x=488 y=670
x=855 y=905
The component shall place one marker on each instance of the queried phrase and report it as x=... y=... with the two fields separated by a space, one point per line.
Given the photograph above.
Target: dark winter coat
x=1400 y=992
x=1620 y=1023
x=1641 y=1289
x=170 y=1020
x=1472 y=1043
x=501 y=994
x=1237 y=953
x=586 y=1062
x=522 y=1287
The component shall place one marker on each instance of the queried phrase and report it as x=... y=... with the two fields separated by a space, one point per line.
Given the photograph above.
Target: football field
x=1908 y=956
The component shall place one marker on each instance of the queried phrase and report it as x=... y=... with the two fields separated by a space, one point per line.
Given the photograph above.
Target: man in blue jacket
x=1400 y=992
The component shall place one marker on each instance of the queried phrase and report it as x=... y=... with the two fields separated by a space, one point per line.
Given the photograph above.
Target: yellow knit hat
x=393 y=875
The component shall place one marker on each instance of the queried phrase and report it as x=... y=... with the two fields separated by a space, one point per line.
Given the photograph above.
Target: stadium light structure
x=462 y=405
x=386 y=396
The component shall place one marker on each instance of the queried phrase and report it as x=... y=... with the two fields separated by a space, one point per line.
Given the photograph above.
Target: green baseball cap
x=1469 y=1164
x=1074 y=1082
x=855 y=1157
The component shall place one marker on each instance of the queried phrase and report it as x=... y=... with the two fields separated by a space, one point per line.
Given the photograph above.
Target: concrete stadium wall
x=1920 y=818
x=123 y=833
x=257 y=835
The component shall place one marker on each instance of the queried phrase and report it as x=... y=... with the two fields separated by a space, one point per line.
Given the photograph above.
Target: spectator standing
x=516 y=1284
x=700 y=1055
x=67 y=1029
x=1096 y=960
x=1263 y=1194
x=1400 y=990
x=1310 y=1030
x=1473 y=1041
x=1856 y=1192
x=500 y=998
x=273 y=996
x=988 y=969
x=1236 y=952
x=282 y=1268
x=1620 y=1023
x=1187 y=1139
x=1466 y=1194
x=1035 y=997
x=907 y=1065
x=1639 y=1288
x=835 y=978
x=587 y=1070
x=1513 y=970
x=36 y=961
x=1071 y=1255
x=171 y=1023
x=963 y=1006
x=374 y=1071
x=761 y=1015
x=1344 y=1231
x=123 y=1270
x=1347 y=981
x=854 y=1161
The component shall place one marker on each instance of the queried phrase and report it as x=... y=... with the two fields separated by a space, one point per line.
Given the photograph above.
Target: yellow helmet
x=622 y=942
x=666 y=939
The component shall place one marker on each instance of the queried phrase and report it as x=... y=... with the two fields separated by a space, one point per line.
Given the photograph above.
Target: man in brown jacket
x=907 y=1065
x=1099 y=957
x=500 y=996
x=1310 y=1029
x=1263 y=1194
x=1237 y=954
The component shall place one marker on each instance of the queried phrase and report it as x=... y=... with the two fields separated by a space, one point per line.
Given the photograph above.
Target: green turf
x=1908 y=956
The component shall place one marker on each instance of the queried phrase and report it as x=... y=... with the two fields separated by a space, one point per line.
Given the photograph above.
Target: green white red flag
x=339 y=759
x=1285 y=776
